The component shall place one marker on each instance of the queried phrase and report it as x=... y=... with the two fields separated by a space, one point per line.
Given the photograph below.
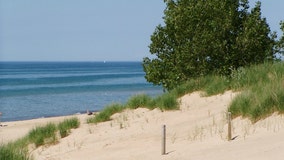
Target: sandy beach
x=197 y=131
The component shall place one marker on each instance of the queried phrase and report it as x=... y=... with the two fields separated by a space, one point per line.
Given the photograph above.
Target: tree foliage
x=201 y=37
x=280 y=43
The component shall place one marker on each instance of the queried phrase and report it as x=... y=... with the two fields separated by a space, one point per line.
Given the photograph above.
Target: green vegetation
x=261 y=88
x=204 y=37
x=263 y=92
x=198 y=50
x=280 y=43
x=140 y=100
x=106 y=113
x=12 y=151
x=167 y=101
x=206 y=46
x=65 y=126
x=41 y=135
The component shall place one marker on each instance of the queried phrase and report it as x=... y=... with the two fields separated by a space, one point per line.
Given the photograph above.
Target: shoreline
x=78 y=113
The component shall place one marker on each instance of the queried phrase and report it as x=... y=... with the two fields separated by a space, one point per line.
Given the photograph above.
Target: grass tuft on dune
x=40 y=135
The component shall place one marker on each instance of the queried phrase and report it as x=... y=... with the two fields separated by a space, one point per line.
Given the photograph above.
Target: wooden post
x=229 y=126
x=163 y=139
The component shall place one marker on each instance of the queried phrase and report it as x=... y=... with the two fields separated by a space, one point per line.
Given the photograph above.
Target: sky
x=89 y=30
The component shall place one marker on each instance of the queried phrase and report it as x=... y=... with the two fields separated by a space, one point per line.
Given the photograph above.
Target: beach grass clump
x=22 y=142
x=210 y=84
x=66 y=126
x=11 y=151
x=140 y=100
x=187 y=87
x=257 y=105
x=167 y=101
x=43 y=135
x=216 y=84
x=270 y=100
x=253 y=76
x=106 y=113
x=262 y=91
x=40 y=135
x=241 y=105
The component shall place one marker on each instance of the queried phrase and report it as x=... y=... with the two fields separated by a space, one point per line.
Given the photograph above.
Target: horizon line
x=103 y=61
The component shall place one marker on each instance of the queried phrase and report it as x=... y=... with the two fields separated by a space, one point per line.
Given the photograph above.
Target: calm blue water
x=42 y=89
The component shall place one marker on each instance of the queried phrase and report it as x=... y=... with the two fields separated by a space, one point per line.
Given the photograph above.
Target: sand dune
x=197 y=131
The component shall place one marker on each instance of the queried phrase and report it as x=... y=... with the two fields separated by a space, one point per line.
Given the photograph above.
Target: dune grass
x=43 y=134
x=106 y=113
x=263 y=92
x=40 y=135
x=13 y=151
x=68 y=124
x=166 y=101
x=140 y=100
x=261 y=87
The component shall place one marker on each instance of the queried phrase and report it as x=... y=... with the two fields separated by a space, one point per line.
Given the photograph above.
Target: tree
x=254 y=45
x=280 y=43
x=206 y=36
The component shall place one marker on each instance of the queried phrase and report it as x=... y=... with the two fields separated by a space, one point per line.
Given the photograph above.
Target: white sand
x=197 y=131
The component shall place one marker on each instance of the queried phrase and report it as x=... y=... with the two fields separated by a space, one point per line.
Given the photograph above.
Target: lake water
x=31 y=90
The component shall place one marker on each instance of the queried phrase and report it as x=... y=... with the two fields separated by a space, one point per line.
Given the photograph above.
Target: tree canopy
x=280 y=43
x=201 y=37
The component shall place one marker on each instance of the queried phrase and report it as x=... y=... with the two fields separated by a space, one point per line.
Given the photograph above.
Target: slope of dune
x=197 y=131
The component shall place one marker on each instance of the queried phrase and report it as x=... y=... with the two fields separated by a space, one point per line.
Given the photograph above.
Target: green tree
x=280 y=43
x=255 y=43
x=205 y=36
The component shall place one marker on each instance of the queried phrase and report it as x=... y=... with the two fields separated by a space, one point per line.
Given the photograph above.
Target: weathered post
x=163 y=139
x=229 y=126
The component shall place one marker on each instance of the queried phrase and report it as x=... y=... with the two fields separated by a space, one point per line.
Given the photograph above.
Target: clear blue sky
x=88 y=30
